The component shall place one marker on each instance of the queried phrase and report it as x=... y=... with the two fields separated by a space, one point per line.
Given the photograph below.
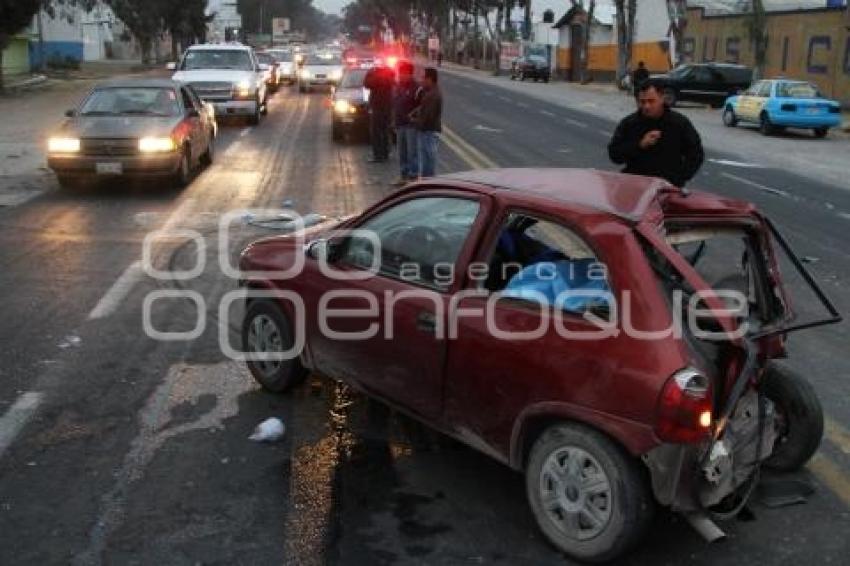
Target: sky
x=331 y=6
x=559 y=6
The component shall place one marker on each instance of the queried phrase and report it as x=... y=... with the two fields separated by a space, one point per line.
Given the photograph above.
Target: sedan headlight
x=343 y=107
x=156 y=144
x=63 y=145
x=305 y=74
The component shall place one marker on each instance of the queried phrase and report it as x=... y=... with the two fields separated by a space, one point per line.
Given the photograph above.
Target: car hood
x=119 y=126
x=356 y=94
x=213 y=75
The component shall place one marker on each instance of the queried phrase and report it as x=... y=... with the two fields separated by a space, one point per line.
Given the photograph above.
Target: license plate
x=321 y=76
x=108 y=168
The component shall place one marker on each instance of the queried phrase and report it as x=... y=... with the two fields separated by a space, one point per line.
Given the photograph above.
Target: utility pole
x=42 y=64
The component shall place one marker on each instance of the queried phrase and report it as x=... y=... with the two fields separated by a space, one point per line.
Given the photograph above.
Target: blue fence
x=61 y=51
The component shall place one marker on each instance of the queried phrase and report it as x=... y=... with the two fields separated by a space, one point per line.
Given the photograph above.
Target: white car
x=228 y=76
x=320 y=69
x=286 y=64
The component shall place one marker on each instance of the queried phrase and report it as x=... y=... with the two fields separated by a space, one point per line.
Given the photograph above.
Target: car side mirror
x=322 y=250
x=171 y=66
x=70 y=113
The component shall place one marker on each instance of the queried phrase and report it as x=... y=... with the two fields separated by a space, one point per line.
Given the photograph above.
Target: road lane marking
x=17 y=417
x=460 y=152
x=741 y=164
x=547 y=113
x=759 y=186
x=484 y=161
x=482 y=128
x=575 y=123
x=837 y=434
x=522 y=104
x=832 y=476
x=505 y=99
x=605 y=133
x=118 y=292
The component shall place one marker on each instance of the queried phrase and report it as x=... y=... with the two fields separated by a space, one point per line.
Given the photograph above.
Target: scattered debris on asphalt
x=270 y=430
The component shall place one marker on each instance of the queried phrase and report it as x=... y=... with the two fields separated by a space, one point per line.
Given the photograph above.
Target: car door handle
x=427 y=322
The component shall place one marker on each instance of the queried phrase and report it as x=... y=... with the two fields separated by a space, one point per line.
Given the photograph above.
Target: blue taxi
x=780 y=103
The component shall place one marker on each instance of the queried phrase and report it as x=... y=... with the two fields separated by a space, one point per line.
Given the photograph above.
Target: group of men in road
x=654 y=141
x=413 y=111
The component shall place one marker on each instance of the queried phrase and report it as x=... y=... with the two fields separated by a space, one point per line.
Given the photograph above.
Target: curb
x=37 y=81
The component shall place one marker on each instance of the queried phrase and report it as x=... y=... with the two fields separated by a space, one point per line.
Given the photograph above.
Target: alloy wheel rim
x=575 y=493
x=264 y=337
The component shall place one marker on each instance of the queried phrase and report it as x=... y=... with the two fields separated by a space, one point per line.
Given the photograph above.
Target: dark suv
x=710 y=83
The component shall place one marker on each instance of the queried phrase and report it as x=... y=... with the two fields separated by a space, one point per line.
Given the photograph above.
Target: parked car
x=778 y=104
x=134 y=127
x=228 y=76
x=286 y=65
x=319 y=70
x=530 y=67
x=272 y=70
x=605 y=426
x=709 y=83
x=350 y=106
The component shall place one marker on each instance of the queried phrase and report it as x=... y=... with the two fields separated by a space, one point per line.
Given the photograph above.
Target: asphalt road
x=123 y=449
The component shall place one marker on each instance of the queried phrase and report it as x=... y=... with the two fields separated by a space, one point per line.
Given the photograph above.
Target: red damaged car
x=611 y=336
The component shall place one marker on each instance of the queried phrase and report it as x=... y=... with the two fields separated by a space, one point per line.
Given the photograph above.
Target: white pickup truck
x=228 y=76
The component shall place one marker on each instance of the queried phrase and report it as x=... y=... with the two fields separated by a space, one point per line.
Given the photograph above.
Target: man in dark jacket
x=379 y=81
x=405 y=103
x=656 y=141
x=428 y=120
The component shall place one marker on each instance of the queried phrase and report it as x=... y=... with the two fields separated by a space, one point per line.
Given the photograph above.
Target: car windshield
x=796 y=90
x=536 y=59
x=218 y=59
x=354 y=79
x=282 y=56
x=145 y=101
x=322 y=59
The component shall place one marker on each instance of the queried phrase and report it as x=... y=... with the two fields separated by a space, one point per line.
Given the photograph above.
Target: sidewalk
x=798 y=151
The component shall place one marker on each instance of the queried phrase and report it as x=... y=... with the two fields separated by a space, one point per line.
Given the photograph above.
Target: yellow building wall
x=812 y=45
x=602 y=59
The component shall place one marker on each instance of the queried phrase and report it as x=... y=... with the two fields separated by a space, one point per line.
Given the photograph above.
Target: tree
x=626 y=13
x=677 y=13
x=757 y=28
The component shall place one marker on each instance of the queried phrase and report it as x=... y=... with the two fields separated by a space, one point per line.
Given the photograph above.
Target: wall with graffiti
x=811 y=45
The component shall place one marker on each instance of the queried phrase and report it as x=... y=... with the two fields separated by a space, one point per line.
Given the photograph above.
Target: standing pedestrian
x=379 y=81
x=428 y=120
x=656 y=141
x=639 y=76
x=404 y=103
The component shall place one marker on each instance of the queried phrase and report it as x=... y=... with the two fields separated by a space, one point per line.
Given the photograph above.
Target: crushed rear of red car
x=611 y=336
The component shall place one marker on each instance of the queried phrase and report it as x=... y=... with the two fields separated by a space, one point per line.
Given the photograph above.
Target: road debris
x=270 y=430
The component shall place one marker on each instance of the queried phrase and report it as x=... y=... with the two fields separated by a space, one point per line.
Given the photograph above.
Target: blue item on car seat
x=551 y=279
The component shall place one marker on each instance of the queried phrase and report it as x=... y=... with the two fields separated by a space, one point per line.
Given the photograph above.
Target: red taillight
x=685 y=408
